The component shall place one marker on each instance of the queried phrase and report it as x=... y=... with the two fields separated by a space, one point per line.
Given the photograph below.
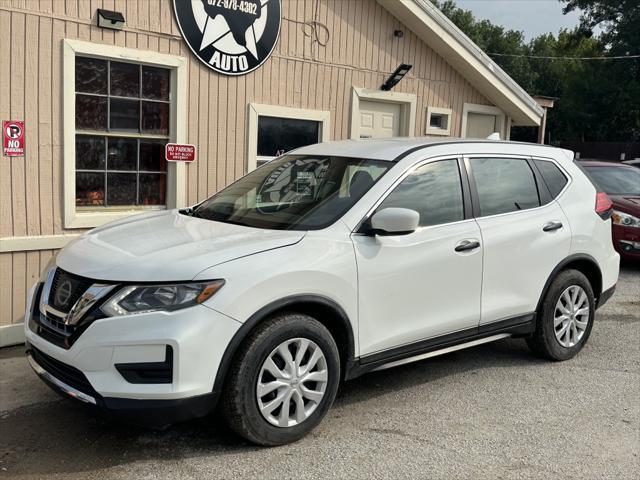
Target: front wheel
x=565 y=318
x=283 y=381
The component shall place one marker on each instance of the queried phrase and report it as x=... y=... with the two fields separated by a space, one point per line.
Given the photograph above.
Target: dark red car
x=622 y=184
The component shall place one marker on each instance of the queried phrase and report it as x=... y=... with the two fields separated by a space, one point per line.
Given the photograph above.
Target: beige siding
x=308 y=69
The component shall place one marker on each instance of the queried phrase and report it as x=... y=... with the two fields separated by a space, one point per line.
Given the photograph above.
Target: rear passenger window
x=504 y=185
x=433 y=190
x=552 y=176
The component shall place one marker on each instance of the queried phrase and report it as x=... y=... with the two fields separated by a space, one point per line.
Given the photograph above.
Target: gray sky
x=533 y=17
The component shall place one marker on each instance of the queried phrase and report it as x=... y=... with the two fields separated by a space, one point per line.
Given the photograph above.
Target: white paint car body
x=393 y=292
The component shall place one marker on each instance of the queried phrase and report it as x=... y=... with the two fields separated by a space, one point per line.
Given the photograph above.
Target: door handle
x=551 y=226
x=465 y=245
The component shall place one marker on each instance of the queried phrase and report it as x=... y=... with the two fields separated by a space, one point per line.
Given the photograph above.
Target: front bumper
x=91 y=369
x=626 y=241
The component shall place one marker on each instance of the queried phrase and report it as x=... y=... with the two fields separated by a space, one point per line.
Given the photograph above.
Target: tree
x=598 y=100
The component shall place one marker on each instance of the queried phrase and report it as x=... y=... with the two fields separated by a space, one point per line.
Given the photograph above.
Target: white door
x=481 y=125
x=523 y=242
x=379 y=119
x=417 y=286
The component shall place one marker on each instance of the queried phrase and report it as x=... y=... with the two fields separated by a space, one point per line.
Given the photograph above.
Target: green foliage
x=597 y=100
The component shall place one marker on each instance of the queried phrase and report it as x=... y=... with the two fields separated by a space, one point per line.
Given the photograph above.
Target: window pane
x=155 y=83
x=89 y=189
x=125 y=115
x=155 y=118
x=91 y=113
x=616 y=180
x=125 y=79
x=121 y=189
x=153 y=188
x=90 y=152
x=279 y=135
x=152 y=156
x=122 y=154
x=504 y=185
x=553 y=177
x=433 y=190
x=91 y=75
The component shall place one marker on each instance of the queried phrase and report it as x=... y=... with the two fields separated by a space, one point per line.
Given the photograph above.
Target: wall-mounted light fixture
x=396 y=76
x=110 y=19
x=398 y=33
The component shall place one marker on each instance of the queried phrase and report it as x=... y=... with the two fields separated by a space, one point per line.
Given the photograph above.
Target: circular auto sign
x=232 y=37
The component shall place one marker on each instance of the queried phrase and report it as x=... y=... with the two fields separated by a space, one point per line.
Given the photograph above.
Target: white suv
x=324 y=264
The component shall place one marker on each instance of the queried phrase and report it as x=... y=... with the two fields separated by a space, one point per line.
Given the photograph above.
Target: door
x=523 y=241
x=417 y=286
x=481 y=125
x=379 y=119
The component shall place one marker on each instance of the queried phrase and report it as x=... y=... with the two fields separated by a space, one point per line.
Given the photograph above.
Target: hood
x=165 y=246
x=627 y=203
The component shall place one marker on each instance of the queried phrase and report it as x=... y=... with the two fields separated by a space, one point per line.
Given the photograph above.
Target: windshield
x=616 y=180
x=294 y=192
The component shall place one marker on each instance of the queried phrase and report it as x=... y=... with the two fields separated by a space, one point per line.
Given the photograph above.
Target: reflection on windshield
x=294 y=192
x=616 y=180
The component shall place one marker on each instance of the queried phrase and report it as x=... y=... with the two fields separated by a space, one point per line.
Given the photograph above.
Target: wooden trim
x=483 y=109
x=41 y=242
x=429 y=130
x=433 y=28
x=176 y=189
x=256 y=110
x=407 y=101
x=11 y=334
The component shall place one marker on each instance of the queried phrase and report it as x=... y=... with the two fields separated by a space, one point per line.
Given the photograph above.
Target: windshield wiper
x=190 y=212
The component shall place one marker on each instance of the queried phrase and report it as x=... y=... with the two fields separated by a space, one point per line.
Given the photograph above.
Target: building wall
x=308 y=69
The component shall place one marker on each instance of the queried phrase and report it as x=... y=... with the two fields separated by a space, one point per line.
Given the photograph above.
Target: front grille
x=66 y=289
x=63 y=372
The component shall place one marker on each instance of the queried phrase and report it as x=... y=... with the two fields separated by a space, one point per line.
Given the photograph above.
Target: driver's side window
x=433 y=190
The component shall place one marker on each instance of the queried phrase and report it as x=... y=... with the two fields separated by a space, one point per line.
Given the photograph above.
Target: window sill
x=95 y=219
x=439 y=131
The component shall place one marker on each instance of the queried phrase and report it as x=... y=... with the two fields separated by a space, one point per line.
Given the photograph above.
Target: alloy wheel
x=292 y=382
x=571 y=316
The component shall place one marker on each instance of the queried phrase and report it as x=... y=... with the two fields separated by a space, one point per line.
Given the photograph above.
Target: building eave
x=447 y=40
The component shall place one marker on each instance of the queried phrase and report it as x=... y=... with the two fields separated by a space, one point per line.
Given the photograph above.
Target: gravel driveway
x=489 y=412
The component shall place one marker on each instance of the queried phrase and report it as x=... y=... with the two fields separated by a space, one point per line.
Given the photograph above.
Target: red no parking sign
x=13 y=133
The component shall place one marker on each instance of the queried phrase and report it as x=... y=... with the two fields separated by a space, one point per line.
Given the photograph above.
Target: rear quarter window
x=552 y=176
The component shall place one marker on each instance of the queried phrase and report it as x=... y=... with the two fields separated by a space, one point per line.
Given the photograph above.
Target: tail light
x=604 y=206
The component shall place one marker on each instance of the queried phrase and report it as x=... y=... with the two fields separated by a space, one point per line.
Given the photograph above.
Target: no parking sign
x=13 y=132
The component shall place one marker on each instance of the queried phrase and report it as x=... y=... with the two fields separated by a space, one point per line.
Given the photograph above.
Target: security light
x=396 y=76
x=110 y=19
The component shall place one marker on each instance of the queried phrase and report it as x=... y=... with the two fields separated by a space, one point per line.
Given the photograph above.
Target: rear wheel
x=565 y=318
x=283 y=381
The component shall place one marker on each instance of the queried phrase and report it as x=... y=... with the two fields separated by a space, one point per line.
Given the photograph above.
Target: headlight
x=134 y=299
x=624 y=219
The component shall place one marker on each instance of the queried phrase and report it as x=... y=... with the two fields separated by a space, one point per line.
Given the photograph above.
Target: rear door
x=524 y=231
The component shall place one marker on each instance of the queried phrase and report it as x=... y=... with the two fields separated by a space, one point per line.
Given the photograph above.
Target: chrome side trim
x=443 y=351
x=66 y=389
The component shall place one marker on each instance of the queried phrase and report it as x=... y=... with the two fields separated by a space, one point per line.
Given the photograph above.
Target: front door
x=379 y=119
x=417 y=286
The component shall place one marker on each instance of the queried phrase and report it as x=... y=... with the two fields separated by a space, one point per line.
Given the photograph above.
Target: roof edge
x=506 y=93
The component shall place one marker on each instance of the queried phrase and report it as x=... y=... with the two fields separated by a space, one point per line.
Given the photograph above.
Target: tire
x=564 y=340
x=240 y=403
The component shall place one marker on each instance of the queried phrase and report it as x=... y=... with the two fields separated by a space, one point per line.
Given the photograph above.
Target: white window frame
x=256 y=110
x=176 y=194
x=487 y=110
x=408 y=104
x=439 y=111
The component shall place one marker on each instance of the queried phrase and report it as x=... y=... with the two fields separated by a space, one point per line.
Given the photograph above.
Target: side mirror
x=394 y=221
